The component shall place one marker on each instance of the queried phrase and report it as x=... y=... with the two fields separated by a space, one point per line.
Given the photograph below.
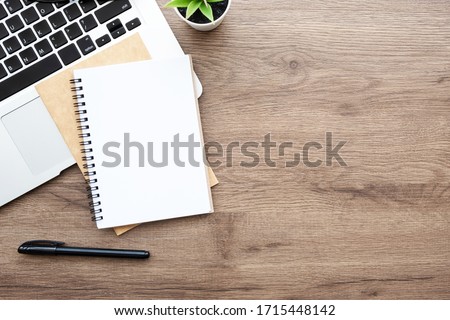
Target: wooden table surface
x=373 y=73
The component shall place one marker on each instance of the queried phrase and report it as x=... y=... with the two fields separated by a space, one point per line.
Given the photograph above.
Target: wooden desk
x=374 y=73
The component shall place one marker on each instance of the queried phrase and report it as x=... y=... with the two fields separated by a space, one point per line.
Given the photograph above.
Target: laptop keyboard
x=38 y=39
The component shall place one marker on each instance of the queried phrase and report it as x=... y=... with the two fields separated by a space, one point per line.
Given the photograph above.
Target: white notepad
x=122 y=106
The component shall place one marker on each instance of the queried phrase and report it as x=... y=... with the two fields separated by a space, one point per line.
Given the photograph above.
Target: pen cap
x=36 y=250
x=39 y=247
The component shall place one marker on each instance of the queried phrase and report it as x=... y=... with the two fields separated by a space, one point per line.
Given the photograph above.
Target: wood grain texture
x=376 y=74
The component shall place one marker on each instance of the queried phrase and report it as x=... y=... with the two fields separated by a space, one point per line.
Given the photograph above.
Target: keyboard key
x=72 y=12
x=88 y=23
x=2 y=53
x=12 y=45
x=102 y=2
x=28 y=56
x=29 y=15
x=58 y=39
x=118 y=32
x=44 y=8
x=42 y=28
x=86 y=45
x=69 y=54
x=27 y=36
x=43 y=47
x=103 y=40
x=14 y=24
x=3 y=72
x=112 y=9
x=57 y=20
x=114 y=25
x=87 y=5
x=116 y=28
x=13 y=64
x=133 y=24
x=3 y=12
x=3 y=32
x=28 y=2
x=62 y=4
x=13 y=5
x=29 y=75
x=73 y=31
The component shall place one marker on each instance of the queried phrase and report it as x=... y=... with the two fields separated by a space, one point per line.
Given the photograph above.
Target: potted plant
x=203 y=15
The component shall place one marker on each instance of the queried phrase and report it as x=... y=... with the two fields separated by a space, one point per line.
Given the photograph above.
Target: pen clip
x=42 y=243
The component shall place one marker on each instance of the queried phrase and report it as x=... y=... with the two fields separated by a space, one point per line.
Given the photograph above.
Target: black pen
x=46 y=247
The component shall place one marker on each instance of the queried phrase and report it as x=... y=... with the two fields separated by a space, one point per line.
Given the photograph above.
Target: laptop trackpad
x=36 y=137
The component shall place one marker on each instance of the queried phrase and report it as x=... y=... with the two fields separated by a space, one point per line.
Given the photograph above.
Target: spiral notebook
x=131 y=118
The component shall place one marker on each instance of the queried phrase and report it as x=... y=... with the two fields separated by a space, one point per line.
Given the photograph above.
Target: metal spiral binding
x=86 y=150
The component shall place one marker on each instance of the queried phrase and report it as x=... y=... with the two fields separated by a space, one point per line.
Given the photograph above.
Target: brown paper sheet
x=57 y=96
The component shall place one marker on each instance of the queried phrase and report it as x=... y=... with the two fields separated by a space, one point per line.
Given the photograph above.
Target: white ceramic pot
x=205 y=26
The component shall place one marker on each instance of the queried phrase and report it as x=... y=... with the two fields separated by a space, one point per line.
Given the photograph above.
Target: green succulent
x=193 y=5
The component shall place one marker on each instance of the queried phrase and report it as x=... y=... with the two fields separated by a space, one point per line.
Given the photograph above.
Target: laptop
x=39 y=39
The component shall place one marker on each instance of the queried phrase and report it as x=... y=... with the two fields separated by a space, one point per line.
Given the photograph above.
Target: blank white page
x=151 y=101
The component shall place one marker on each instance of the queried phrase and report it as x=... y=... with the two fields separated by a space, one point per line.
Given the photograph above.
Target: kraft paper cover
x=57 y=96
